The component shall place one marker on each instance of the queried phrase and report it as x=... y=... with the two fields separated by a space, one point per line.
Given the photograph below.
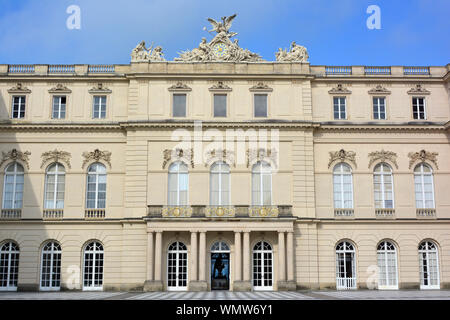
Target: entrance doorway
x=220 y=266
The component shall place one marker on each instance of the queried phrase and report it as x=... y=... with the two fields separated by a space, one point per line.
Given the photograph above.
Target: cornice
x=221 y=124
x=383 y=127
x=58 y=126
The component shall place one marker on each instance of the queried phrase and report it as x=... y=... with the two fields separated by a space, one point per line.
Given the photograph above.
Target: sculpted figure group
x=141 y=53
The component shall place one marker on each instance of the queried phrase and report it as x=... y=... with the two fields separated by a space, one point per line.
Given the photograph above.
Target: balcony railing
x=53 y=214
x=343 y=213
x=200 y=211
x=383 y=213
x=94 y=214
x=101 y=68
x=21 y=68
x=8 y=214
x=377 y=70
x=263 y=211
x=425 y=213
x=61 y=68
x=416 y=70
x=220 y=212
x=345 y=283
x=176 y=211
x=338 y=70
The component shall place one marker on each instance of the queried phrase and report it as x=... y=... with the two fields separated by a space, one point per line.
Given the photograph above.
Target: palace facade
x=287 y=176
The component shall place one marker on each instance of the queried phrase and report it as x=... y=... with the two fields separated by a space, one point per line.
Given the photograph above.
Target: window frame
x=94 y=252
x=25 y=97
x=385 y=251
x=55 y=191
x=382 y=184
x=378 y=107
x=52 y=253
x=97 y=174
x=261 y=253
x=15 y=172
x=422 y=174
x=266 y=94
x=427 y=252
x=339 y=107
x=94 y=96
x=214 y=104
x=59 y=107
x=177 y=173
x=424 y=107
x=16 y=258
x=180 y=254
x=261 y=174
x=354 y=269
x=178 y=93
x=220 y=174
x=341 y=174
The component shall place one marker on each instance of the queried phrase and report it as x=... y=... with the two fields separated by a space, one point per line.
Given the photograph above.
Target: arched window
x=51 y=266
x=261 y=184
x=429 y=265
x=220 y=184
x=345 y=266
x=13 y=186
x=93 y=266
x=96 y=186
x=178 y=184
x=262 y=266
x=383 y=186
x=343 y=186
x=423 y=182
x=177 y=267
x=54 y=186
x=9 y=266
x=387 y=265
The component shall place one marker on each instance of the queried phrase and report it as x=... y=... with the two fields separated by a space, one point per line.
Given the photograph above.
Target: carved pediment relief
x=219 y=155
x=15 y=155
x=221 y=87
x=179 y=86
x=383 y=156
x=19 y=88
x=261 y=87
x=95 y=156
x=56 y=156
x=261 y=154
x=339 y=89
x=60 y=88
x=379 y=89
x=342 y=156
x=186 y=155
x=418 y=89
x=423 y=156
x=100 y=89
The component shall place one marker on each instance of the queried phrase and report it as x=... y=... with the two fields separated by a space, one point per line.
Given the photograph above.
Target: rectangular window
x=179 y=105
x=99 y=107
x=339 y=108
x=220 y=105
x=18 y=110
x=260 y=101
x=59 y=107
x=419 y=108
x=379 y=108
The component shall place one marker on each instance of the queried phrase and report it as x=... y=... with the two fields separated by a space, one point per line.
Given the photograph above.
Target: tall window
x=51 y=266
x=383 y=186
x=99 y=111
x=220 y=105
x=343 y=186
x=177 y=266
x=419 y=112
x=260 y=104
x=261 y=184
x=93 y=266
x=59 y=107
x=339 y=108
x=96 y=187
x=262 y=266
x=18 y=109
x=179 y=105
x=387 y=266
x=220 y=184
x=423 y=183
x=9 y=266
x=379 y=108
x=429 y=265
x=13 y=186
x=54 y=186
x=178 y=184
x=345 y=266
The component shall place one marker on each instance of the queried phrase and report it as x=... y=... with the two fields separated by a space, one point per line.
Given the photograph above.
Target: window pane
x=220 y=105
x=260 y=101
x=179 y=105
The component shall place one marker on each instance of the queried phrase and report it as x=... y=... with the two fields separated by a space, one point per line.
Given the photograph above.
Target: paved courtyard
x=227 y=295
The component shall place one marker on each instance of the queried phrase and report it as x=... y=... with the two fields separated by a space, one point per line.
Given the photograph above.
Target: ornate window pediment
x=261 y=87
x=339 y=89
x=379 y=89
x=99 y=88
x=56 y=156
x=418 y=89
x=382 y=156
x=15 y=155
x=95 y=156
x=180 y=86
x=60 y=88
x=219 y=155
x=19 y=88
x=186 y=155
x=261 y=154
x=342 y=156
x=220 y=87
x=423 y=156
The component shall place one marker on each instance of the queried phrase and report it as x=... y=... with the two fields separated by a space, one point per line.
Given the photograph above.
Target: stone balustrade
x=422 y=213
x=93 y=214
x=8 y=214
x=343 y=213
x=53 y=214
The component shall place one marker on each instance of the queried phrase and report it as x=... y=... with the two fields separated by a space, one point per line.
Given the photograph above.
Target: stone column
x=286 y=261
x=246 y=256
x=199 y=283
x=154 y=283
x=281 y=257
x=240 y=284
x=194 y=256
x=290 y=256
x=237 y=256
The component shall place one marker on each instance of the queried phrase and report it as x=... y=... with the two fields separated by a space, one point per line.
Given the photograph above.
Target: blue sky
x=413 y=32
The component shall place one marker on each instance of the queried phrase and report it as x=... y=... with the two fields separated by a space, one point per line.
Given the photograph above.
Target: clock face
x=220 y=49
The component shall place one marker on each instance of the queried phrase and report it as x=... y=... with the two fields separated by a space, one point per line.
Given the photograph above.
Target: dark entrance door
x=220 y=271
